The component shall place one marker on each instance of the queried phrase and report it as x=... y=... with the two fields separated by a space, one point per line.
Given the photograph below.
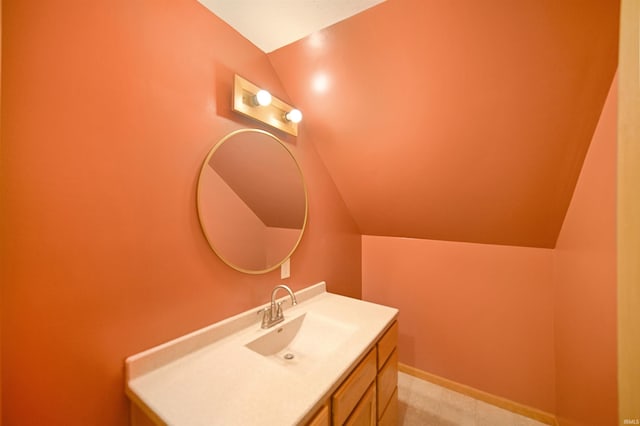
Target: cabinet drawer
x=349 y=393
x=387 y=344
x=387 y=381
x=390 y=415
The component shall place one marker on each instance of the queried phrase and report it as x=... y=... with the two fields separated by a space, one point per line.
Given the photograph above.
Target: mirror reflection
x=252 y=201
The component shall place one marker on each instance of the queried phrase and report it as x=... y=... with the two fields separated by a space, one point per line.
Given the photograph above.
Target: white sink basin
x=303 y=342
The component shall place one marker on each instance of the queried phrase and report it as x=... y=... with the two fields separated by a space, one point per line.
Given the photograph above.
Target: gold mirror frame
x=200 y=199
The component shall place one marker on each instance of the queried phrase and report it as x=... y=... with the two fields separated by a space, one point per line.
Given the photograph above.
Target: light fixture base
x=244 y=93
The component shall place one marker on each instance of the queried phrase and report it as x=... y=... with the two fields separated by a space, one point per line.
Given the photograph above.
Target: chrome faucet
x=272 y=314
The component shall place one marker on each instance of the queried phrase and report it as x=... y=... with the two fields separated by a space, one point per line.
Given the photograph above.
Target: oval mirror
x=252 y=201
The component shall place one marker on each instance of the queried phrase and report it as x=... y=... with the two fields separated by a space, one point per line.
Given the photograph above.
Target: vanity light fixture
x=257 y=103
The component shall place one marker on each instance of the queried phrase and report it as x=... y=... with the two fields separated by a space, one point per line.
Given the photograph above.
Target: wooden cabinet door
x=353 y=388
x=390 y=415
x=365 y=412
x=387 y=381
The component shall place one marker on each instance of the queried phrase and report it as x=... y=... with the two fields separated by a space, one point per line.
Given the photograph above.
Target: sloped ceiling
x=457 y=120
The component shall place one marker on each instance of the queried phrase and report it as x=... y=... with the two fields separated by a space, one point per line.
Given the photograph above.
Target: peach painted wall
x=109 y=109
x=481 y=315
x=585 y=287
x=537 y=326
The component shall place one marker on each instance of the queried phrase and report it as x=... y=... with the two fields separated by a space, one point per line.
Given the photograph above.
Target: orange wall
x=470 y=118
x=481 y=315
x=537 y=326
x=109 y=109
x=585 y=287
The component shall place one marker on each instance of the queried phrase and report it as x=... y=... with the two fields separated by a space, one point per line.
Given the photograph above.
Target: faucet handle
x=279 y=308
x=266 y=316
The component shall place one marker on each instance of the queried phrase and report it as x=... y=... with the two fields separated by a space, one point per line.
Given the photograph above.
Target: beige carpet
x=422 y=403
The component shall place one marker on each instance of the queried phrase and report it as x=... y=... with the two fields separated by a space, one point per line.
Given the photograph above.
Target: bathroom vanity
x=369 y=395
x=332 y=361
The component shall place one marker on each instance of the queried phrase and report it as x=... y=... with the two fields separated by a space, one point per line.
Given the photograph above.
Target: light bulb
x=295 y=116
x=263 y=98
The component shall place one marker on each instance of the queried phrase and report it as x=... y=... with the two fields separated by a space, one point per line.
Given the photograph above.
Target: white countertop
x=209 y=377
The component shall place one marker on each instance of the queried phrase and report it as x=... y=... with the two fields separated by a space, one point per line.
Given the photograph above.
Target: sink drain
x=289 y=356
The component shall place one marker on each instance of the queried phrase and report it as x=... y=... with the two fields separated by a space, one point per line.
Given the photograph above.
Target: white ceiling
x=272 y=24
